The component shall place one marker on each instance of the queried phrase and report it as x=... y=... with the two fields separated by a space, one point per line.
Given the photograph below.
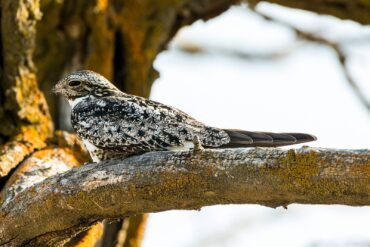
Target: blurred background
x=272 y=69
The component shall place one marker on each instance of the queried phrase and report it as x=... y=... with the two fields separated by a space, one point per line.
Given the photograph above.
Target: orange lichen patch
x=25 y=110
x=91 y=236
x=31 y=102
x=23 y=100
x=101 y=6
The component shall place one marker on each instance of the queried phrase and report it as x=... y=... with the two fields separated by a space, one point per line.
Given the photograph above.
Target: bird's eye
x=74 y=83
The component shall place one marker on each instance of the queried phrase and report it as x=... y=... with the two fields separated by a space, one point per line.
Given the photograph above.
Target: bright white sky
x=304 y=91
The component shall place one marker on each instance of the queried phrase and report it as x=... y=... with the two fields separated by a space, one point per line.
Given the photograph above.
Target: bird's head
x=84 y=83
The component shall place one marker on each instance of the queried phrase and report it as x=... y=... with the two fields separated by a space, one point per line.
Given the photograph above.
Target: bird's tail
x=242 y=138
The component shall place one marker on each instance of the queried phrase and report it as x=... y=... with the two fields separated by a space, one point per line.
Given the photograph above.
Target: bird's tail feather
x=242 y=138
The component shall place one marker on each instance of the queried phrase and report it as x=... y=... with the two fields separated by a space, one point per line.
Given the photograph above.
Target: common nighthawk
x=112 y=123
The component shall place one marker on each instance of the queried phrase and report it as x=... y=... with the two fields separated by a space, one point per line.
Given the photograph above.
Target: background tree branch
x=356 y=10
x=335 y=46
x=161 y=181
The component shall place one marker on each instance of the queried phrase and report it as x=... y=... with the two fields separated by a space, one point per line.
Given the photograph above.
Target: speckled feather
x=122 y=125
x=112 y=123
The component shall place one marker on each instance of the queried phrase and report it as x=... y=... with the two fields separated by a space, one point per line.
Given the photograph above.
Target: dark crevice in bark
x=117 y=5
x=76 y=239
x=84 y=45
x=2 y=89
x=57 y=238
x=1 y=45
x=339 y=5
x=111 y=231
x=119 y=62
x=3 y=180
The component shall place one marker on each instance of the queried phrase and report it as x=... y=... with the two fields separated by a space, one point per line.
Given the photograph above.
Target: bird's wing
x=118 y=122
x=121 y=121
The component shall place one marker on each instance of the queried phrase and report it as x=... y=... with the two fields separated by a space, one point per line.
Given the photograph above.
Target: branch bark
x=161 y=181
x=356 y=10
x=336 y=46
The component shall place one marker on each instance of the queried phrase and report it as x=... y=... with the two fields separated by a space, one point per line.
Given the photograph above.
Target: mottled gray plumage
x=112 y=123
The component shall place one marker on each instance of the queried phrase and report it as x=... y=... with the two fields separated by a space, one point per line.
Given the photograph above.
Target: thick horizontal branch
x=161 y=181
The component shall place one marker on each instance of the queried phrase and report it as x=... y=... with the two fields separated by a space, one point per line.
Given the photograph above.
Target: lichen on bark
x=25 y=118
x=161 y=181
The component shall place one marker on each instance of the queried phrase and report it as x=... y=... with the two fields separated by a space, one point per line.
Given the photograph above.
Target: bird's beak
x=57 y=89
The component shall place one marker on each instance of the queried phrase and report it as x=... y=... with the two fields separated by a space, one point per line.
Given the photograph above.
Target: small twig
x=189 y=47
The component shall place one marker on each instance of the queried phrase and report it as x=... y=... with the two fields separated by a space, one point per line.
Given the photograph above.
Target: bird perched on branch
x=112 y=123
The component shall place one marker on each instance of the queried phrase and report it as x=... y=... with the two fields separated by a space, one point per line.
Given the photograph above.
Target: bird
x=114 y=124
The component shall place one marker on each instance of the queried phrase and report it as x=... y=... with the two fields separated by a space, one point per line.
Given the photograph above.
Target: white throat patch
x=74 y=102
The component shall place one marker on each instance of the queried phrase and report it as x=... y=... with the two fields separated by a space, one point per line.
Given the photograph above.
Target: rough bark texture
x=24 y=116
x=184 y=180
x=356 y=10
x=64 y=152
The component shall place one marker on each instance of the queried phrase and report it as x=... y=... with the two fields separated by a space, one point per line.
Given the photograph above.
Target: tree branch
x=161 y=181
x=335 y=46
x=356 y=10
